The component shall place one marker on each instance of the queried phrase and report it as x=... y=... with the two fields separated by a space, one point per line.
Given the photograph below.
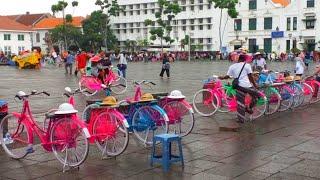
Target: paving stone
x=228 y=170
x=290 y=153
x=312 y=156
x=305 y=168
x=282 y=159
x=253 y=175
x=203 y=164
x=272 y=167
x=288 y=176
x=208 y=176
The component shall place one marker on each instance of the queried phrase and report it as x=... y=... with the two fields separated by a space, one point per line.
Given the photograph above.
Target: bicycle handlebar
x=144 y=82
x=33 y=93
x=77 y=91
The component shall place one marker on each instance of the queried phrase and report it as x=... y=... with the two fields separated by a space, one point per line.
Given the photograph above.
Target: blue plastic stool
x=166 y=158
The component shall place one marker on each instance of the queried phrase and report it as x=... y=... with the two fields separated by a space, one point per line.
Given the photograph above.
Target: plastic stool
x=166 y=158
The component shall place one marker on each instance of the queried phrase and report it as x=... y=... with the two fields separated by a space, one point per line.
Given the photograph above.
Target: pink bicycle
x=65 y=135
x=315 y=85
x=112 y=82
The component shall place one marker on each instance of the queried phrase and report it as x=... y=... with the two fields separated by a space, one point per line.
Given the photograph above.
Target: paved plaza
x=281 y=146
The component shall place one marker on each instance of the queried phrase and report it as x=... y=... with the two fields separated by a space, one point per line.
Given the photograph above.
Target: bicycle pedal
x=30 y=150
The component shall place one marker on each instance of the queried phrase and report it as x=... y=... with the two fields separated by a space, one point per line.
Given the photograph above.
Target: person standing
x=69 y=62
x=122 y=66
x=246 y=85
x=259 y=62
x=81 y=62
x=165 y=66
x=299 y=69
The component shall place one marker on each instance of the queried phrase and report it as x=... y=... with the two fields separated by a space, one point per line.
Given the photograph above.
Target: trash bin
x=3 y=113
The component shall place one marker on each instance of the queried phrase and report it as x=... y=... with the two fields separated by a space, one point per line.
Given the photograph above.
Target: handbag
x=235 y=82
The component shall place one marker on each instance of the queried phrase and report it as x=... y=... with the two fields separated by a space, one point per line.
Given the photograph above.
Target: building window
x=152 y=11
x=20 y=48
x=192 y=41
x=183 y=2
x=118 y=31
x=209 y=27
x=118 y=25
x=125 y=31
x=131 y=30
x=252 y=45
x=209 y=20
x=252 y=4
x=310 y=3
x=294 y=44
x=252 y=24
x=192 y=8
x=268 y=23
x=145 y=11
x=191 y=21
x=138 y=12
x=200 y=7
x=295 y=21
x=38 y=37
x=184 y=28
x=237 y=24
x=7 y=50
x=209 y=6
x=288 y=42
x=310 y=22
x=267 y=46
x=184 y=8
x=7 y=37
x=200 y=41
x=288 y=24
x=131 y=12
x=191 y=1
x=209 y=40
x=200 y=21
x=20 y=37
x=184 y=21
x=124 y=13
x=131 y=6
x=191 y=28
x=201 y=27
x=145 y=5
x=200 y=1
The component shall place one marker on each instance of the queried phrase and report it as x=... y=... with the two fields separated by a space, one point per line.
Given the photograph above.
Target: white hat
x=65 y=108
x=257 y=53
x=176 y=94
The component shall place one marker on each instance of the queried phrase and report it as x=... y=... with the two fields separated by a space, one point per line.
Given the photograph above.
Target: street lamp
x=190 y=34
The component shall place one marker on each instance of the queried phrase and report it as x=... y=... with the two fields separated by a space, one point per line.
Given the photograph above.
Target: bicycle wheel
x=273 y=100
x=316 y=93
x=117 y=73
x=87 y=112
x=298 y=95
x=308 y=93
x=205 y=102
x=286 y=98
x=181 y=118
x=14 y=137
x=111 y=135
x=260 y=108
x=148 y=121
x=119 y=86
x=83 y=86
x=69 y=143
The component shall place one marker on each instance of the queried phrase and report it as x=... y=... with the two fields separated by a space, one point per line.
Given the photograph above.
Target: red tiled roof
x=50 y=23
x=282 y=2
x=9 y=24
x=29 y=19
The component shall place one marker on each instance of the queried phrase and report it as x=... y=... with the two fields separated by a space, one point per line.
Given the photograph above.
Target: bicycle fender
x=159 y=109
x=122 y=118
x=187 y=104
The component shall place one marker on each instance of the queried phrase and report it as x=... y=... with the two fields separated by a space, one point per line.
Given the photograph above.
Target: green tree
x=166 y=14
x=184 y=42
x=68 y=33
x=230 y=5
x=143 y=43
x=96 y=31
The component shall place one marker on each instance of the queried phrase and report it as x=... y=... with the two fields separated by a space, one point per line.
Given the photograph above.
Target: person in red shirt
x=81 y=62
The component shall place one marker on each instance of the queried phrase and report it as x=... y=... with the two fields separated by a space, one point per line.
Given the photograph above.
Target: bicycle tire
x=15 y=150
x=298 y=95
x=119 y=86
x=106 y=129
x=260 y=108
x=87 y=111
x=149 y=118
x=286 y=98
x=176 y=111
x=274 y=100
x=62 y=138
x=308 y=93
x=203 y=109
x=316 y=96
x=84 y=90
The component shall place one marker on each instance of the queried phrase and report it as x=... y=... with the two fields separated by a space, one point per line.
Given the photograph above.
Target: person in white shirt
x=122 y=66
x=300 y=67
x=247 y=85
x=259 y=62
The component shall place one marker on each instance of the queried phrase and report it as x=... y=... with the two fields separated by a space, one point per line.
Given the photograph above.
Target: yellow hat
x=289 y=79
x=297 y=78
x=109 y=101
x=147 y=97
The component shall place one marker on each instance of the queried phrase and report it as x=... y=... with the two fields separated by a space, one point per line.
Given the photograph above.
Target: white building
x=14 y=37
x=198 y=19
x=293 y=23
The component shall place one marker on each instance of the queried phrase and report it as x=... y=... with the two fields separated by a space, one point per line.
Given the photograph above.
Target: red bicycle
x=65 y=135
x=315 y=85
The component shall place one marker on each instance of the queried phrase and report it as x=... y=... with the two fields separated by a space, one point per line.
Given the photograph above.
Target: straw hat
x=297 y=78
x=109 y=101
x=147 y=97
x=289 y=79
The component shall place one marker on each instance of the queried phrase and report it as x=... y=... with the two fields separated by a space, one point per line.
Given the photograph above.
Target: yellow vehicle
x=28 y=60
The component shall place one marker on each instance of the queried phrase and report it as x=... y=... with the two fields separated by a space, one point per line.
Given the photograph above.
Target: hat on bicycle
x=95 y=59
x=289 y=79
x=176 y=94
x=109 y=101
x=65 y=108
x=147 y=97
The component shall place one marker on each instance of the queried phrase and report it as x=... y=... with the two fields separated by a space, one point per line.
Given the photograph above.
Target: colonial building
x=14 y=37
x=198 y=19
x=275 y=25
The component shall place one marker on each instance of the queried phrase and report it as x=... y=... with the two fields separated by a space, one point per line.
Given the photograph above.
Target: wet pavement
x=280 y=146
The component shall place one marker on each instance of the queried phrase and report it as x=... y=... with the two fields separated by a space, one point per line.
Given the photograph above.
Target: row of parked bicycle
x=106 y=123
x=278 y=92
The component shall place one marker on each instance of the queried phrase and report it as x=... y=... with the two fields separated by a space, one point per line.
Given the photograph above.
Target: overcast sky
x=9 y=7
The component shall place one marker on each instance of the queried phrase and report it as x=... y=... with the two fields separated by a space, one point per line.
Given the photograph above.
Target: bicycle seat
x=51 y=115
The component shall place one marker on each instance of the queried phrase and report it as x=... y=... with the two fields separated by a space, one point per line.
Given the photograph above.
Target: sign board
x=277 y=34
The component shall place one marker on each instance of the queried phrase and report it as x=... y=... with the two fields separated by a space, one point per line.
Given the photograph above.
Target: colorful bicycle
x=107 y=126
x=113 y=81
x=65 y=136
x=144 y=116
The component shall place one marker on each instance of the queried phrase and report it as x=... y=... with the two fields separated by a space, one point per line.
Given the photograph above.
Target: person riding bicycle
x=246 y=85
